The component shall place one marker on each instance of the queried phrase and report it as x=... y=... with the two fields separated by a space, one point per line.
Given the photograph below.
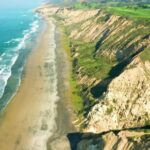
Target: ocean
x=18 y=33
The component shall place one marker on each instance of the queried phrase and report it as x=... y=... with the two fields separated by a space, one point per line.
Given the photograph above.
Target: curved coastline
x=31 y=119
x=19 y=55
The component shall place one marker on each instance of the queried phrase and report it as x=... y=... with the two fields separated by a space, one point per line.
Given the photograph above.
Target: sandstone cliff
x=111 y=60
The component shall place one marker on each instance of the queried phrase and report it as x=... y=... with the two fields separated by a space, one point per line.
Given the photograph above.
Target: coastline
x=25 y=121
x=19 y=48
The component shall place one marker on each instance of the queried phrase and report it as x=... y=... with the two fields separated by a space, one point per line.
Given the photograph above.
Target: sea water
x=18 y=32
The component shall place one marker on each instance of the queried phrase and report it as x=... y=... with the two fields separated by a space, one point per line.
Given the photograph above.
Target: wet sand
x=37 y=114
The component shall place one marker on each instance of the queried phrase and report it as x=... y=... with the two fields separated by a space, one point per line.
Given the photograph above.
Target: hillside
x=115 y=1
x=111 y=74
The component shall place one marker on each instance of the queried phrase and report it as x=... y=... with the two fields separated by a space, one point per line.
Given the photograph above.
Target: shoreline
x=25 y=121
x=23 y=47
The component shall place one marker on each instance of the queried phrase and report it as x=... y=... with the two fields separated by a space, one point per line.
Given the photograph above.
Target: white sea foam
x=13 y=41
x=33 y=29
x=8 y=58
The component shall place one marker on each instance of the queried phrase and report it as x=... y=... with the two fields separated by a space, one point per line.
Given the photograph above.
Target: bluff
x=111 y=63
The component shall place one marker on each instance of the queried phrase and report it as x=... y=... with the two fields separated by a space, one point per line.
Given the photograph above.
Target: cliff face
x=126 y=102
x=112 y=64
x=123 y=95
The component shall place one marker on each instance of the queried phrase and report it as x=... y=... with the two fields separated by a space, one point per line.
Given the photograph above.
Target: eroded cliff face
x=115 y=76
x=126 y=103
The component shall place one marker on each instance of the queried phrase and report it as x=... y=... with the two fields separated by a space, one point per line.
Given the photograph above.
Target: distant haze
x=34 y=3
x=98 y=1
x=4 y=4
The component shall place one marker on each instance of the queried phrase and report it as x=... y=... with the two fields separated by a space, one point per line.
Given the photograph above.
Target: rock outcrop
x=123 y=140
x=126 y=104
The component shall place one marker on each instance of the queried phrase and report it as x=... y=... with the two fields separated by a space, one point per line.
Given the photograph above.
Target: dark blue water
x=18 y=32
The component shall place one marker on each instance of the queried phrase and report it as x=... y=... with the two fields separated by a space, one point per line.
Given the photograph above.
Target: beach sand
x=37 y=114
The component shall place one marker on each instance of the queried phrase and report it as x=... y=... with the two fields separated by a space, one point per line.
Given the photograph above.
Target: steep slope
x=126 y=102
x=111 y=59
x=125 y=86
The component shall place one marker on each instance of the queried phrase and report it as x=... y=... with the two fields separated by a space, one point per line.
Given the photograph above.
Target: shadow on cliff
x=98 y=44
x=102 y=86
x=75 y=139
x=79 y=140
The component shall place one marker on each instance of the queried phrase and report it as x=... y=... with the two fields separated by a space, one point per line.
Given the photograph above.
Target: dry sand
x=29 y=120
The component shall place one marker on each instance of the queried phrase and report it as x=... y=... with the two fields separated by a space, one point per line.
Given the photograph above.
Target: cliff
x=111 y=62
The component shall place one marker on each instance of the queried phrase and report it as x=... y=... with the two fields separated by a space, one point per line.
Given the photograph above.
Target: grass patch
x=131 y=12
x=85 y=5
x=57 y=17
x=103 y=19
x=93 y=67
x=77 y=100
x=109 y=110
x=65 y=41
x=98 y=5
x=145 y=55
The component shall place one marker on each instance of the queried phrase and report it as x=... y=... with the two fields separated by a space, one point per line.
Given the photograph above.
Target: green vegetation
x=109 y=110
x=96 y=5
x=76 y=98
x=58 y=18
x=137 y=11
x=65 y=41
x=135 y=33
x=84 y=6
x=105 y=4
x=145 y=55
x=131 y=12
x=103 y=19
x=91 y=60
x=93 y=67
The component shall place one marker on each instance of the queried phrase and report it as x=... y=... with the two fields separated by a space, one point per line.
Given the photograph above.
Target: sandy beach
x=38 y=111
